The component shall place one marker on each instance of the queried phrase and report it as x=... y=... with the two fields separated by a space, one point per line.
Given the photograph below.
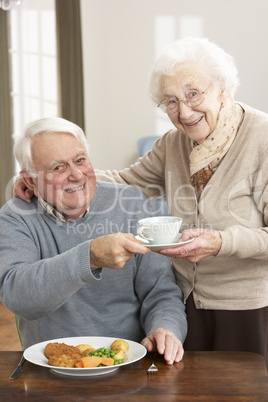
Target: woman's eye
x=192 y=94
x=172 y=101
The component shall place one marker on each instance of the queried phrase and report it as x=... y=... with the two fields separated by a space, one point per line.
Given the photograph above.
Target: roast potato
x=119 y=355
x=120 y=344
x=83 y=348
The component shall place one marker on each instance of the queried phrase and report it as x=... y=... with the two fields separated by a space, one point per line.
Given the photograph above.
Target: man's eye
x=58 y=168
x=80 y=160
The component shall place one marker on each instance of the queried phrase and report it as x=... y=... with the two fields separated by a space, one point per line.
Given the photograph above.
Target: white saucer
x=158 y=247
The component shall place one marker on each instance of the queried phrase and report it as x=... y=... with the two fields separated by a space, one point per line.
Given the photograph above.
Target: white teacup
x=160 y=229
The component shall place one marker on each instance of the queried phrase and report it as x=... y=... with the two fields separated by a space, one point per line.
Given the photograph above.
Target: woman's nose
x=185 y=111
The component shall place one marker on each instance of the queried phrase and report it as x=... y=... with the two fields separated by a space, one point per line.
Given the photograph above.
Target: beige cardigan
x=235 y=202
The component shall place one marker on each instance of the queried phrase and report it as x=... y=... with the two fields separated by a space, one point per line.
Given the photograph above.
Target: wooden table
x=201 y=376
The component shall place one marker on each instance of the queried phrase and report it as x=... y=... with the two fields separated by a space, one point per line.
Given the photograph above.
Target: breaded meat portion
x=64 y=360
x=62 y=355
x=56 y=349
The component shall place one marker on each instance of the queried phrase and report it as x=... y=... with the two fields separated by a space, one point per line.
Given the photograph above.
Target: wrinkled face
x=199 y=121
x=66 y=178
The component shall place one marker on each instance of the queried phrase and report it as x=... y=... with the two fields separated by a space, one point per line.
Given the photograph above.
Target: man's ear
x=27 y=180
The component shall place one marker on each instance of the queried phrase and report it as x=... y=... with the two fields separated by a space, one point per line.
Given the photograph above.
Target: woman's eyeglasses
x=192 y=98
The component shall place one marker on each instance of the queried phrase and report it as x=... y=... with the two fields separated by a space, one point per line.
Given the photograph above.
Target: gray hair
x=22 y=147
x=219 y=65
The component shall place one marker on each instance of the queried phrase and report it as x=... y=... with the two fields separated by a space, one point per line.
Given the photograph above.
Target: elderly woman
x=213 y=168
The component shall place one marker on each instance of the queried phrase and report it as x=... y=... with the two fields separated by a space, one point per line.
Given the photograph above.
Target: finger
x=148 y=344
x=183 y=253
x=133 y=238
x=173 y=351
x=176 y=251
x=133 y=246
x=160 y=342
x=179 y=354
x=28 y=194
x=170 y=349
x=129 y=236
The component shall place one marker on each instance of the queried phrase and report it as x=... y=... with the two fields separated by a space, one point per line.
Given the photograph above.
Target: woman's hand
x=207 y=242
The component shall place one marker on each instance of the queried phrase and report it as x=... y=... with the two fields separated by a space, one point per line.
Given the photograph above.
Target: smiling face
x=199 y=121
x=65 y=177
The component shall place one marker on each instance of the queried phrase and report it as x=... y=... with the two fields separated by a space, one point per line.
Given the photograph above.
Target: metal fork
x=152 y=370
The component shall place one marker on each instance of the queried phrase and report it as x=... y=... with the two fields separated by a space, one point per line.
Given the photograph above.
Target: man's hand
x=114 y=250
x=207 y=243
x=166 y=343
x=20 y=190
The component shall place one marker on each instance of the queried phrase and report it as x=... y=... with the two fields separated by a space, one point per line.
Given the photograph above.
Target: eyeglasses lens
x=191 y=99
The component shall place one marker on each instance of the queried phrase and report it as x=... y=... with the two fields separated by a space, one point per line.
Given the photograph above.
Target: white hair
x=219 y=65
x=48 y=125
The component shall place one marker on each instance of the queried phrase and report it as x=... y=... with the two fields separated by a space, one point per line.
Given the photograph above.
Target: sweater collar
x=52 y=211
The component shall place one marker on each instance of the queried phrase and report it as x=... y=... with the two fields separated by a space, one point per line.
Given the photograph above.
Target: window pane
x=49 y=78
x=30 y=37
x=32 y=109
x=31 y=75
x=48 y=32
x=33 y=58
x=50 y=109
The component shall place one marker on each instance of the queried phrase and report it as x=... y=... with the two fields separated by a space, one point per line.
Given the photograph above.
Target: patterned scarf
x=206 y=157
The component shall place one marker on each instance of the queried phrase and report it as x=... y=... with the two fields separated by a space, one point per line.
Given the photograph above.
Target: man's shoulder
x=103 y=186
x=121 y=198
x=17 y=207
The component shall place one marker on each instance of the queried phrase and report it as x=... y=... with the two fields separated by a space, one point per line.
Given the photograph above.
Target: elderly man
x=66 y=267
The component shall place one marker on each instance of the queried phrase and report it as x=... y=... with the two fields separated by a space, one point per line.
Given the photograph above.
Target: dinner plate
x=35 y=354
x=158 y=247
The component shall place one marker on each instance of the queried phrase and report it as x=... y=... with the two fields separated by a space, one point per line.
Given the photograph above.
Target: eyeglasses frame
x=182 y=100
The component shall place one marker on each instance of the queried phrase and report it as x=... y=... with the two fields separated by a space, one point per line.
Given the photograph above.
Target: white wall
x=120 y=41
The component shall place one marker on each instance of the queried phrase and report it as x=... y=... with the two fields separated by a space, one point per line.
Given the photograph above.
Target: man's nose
x=75 y=173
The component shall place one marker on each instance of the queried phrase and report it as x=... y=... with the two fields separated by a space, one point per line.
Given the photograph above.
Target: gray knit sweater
x=45 y=274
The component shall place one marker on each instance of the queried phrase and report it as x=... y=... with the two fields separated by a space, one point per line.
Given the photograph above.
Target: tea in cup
x=160 y=229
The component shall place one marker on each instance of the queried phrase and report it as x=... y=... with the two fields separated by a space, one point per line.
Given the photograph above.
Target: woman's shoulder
x=170 y=135
x=172 y=140
x=254 y=129
x=258 y=116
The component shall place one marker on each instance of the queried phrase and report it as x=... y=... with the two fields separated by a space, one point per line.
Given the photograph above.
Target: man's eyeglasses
x=192 y=98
